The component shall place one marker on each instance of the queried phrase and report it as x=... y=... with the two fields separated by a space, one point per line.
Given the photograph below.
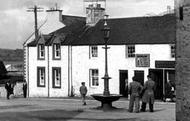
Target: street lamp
x=106 y=31
x=106 y=98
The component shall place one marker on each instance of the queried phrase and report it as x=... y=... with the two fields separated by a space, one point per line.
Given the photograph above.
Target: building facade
x=58 y=62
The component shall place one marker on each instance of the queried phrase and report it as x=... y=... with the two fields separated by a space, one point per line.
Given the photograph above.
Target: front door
x=139 y=76
x=123 y=77
x=158 y=78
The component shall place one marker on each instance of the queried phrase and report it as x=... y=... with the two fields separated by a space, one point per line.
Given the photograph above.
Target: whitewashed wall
x=35 y=91
x=81 y=63
x=63 y=63
x=116 y=61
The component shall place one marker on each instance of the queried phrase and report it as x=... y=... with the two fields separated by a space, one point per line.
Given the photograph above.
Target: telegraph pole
x=35 y=9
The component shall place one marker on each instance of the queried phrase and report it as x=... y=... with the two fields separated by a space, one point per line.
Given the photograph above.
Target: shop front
x=163 y=73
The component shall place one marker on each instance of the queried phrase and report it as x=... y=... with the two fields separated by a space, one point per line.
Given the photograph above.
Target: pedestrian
x=135 y=89
x=8 y=89
x=83 y=92
x=148 y=96
x=24 y=88
x=126 y=88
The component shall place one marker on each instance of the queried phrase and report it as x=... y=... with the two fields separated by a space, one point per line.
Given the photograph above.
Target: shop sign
x=142 y=60
x=165 y=64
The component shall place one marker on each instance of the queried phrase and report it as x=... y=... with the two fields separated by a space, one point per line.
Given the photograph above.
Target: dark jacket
x=135 y=88
x=148 y=95
x=8 y=87
x=83 y=90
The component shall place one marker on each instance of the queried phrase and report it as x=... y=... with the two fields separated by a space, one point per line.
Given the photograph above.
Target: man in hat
x=8 y=89
x=148 y=96
x=135 y=89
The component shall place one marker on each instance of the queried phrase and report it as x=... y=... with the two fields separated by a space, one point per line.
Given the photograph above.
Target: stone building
x=182 y=8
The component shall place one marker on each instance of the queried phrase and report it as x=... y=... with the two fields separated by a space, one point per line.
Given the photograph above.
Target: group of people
x=10 y=89
x=146 y=93
x=137 y=92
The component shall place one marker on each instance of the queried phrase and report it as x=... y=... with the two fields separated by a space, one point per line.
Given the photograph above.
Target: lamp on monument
x=106 y=28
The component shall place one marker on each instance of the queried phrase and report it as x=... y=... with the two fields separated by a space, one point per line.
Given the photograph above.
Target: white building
x=57 y=63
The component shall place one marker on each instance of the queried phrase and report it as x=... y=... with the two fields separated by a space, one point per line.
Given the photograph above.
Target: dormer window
x=41 y=51
x=56 y=51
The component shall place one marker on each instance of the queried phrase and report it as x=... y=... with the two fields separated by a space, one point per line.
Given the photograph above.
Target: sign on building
x=142 y=60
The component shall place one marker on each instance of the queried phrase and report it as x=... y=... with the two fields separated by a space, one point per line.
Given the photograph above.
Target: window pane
x=130 y=51
x=94 y=77
x=94 y=51
x=57 y=77
x=41 y=76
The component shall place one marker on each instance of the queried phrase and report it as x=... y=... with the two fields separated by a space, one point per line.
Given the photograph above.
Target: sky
x=16 y=24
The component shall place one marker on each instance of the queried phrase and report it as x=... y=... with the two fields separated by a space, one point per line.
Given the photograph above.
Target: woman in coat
x=148 y=96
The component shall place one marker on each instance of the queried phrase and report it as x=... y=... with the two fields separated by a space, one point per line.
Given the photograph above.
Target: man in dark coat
x=148 y=96
x=24 y=89
x=135 y=89
x=8 y=89
x=83 y=92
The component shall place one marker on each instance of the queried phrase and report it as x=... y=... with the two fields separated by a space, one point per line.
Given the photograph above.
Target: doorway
x=139 y=75
x=123 y=77
x=157 y=76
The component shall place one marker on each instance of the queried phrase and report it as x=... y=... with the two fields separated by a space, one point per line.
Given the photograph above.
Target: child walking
x=83 y=91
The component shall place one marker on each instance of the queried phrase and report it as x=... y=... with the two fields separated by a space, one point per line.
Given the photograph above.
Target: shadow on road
x=53 y=115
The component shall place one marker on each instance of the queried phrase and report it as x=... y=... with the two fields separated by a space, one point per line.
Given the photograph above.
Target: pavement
x=71 y=109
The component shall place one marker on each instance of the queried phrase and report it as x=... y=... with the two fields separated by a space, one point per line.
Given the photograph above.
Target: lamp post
x=106 y=98
x=106 y=31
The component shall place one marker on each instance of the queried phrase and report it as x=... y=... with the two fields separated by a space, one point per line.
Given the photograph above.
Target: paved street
x=52 y=109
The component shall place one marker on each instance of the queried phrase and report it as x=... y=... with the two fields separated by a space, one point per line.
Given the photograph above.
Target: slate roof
x=136 y=30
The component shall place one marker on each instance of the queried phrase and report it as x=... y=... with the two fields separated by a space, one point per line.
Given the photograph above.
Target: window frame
x=91 y=78
x=130 y=53
x=40 y=51
x=42 y=69
x=172 y=50
x=93 y=51
x=56 y=50
x=53 y=77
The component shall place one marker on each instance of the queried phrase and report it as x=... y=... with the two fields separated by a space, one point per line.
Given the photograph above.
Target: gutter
x=70 y=83
x=48 y=70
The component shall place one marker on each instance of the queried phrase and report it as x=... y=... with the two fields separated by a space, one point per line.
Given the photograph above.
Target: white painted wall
x=35 y=91
x=81 y=63
x=116 y=61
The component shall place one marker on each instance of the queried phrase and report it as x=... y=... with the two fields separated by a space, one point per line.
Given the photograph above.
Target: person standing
x=148 y=96
x=135 y=89
x=24 y=89
x=8 y=89
x=126 y=88
x=83 y=92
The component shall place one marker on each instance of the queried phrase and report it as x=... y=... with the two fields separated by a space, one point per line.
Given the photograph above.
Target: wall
x=183 y=62
x=53 y=22
x=48 y=91
x=116 y=61
x=18 y=92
